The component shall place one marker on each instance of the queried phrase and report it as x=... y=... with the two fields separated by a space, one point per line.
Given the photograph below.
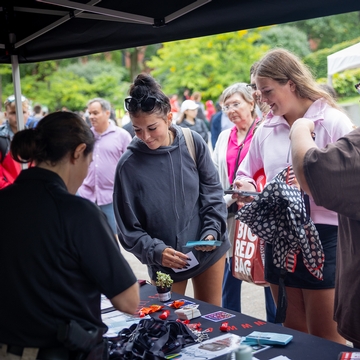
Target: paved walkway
x=252 y=297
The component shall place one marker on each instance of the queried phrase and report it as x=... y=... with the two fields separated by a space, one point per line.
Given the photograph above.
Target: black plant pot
x=164 y=293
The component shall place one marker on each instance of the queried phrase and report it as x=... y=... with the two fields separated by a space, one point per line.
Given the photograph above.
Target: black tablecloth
x=301 y=347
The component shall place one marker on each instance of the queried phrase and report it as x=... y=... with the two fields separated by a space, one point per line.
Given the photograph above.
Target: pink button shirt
x=233 y=150
x=270 y=147
x=109 y=146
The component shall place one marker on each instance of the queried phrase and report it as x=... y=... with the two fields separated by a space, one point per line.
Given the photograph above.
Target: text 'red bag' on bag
x=248 y=256
x=249 y=250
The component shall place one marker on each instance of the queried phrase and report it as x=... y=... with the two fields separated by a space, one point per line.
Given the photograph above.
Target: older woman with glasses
x=163 y=198
x=230 y=149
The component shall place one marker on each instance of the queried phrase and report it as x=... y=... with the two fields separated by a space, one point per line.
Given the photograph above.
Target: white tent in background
x=348 y=58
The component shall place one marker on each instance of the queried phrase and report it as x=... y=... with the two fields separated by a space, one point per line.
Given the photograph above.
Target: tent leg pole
x=329 y=80
x=17 y=93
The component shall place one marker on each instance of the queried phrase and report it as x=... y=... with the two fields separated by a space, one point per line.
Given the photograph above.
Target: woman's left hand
x=206 y=248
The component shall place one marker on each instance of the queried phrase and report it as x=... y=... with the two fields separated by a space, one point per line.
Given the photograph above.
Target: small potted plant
x=163 y=285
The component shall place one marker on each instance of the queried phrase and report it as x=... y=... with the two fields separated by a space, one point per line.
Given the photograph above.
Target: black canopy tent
x=40 y=30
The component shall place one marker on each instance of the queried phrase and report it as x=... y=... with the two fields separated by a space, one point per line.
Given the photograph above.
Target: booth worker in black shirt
x=57 y=251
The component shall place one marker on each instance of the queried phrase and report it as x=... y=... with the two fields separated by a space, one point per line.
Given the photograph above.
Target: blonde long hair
x=282 y=65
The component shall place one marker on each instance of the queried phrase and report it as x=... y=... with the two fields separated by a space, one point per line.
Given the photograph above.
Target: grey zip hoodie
x=163 y=199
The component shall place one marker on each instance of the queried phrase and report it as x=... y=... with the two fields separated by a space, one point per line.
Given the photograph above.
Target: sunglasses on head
x=11 y=99
x=252 y=86
x=146 y=104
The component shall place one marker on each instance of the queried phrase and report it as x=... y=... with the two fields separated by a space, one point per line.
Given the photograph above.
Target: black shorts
x=302 y=278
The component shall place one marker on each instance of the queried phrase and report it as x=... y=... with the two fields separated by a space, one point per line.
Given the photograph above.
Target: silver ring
x=174 y=252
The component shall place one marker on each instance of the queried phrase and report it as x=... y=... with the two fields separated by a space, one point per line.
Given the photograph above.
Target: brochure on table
x=215 y=347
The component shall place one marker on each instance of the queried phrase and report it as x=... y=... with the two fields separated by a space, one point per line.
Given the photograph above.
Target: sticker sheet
x=218 y=316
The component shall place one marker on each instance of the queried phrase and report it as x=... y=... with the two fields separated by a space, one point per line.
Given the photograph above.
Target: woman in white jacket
x=230 y=149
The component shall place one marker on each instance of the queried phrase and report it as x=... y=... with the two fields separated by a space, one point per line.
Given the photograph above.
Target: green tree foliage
x=5 y=77
x=330 y=30
x=317 y=61
x=110 y=56
x=344 y=82
x=151 y=50
x=5 y=70
x=100 y=79
x=73 y=85
x=207 y=64
x=40 y=69
x=92 y=69
x=61 y=88
x=287 y=37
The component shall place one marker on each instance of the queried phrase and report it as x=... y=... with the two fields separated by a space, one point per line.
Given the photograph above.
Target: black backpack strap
x=4 y=146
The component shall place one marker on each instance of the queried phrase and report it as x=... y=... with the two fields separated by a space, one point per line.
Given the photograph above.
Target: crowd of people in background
x=205 y=113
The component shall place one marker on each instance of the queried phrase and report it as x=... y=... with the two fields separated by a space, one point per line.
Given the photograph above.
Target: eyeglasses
x=234 y=106
x=11 y=99
x=146 y=104
x=253 y=86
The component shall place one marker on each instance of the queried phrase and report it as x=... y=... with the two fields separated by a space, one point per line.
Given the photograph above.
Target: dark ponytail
x=55 y=136
x=144 y=86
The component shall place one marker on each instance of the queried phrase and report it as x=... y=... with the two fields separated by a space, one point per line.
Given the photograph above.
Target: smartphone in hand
x=242 y=192
x=203 y=243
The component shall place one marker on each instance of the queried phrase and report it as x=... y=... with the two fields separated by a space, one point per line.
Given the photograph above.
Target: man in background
x=196 y=96
x=111 y=143
x=36 y=117
x=219 y=122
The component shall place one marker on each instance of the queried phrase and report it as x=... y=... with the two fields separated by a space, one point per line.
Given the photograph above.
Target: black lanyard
x=237 y=163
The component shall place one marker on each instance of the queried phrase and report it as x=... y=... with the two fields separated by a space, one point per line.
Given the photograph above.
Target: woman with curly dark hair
x=163 y=198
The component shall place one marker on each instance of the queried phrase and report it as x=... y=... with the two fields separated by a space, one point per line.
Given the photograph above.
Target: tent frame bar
x=77 y=10
x=102 y=11
x=96 y=13
x=127 y=17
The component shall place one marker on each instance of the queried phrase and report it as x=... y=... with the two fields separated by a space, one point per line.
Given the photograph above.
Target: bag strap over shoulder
x=189 y=142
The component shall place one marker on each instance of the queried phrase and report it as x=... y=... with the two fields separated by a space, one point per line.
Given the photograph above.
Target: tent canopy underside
x=40 y=30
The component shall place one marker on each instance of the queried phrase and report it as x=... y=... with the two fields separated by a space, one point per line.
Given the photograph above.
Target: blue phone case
x=203 y=242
